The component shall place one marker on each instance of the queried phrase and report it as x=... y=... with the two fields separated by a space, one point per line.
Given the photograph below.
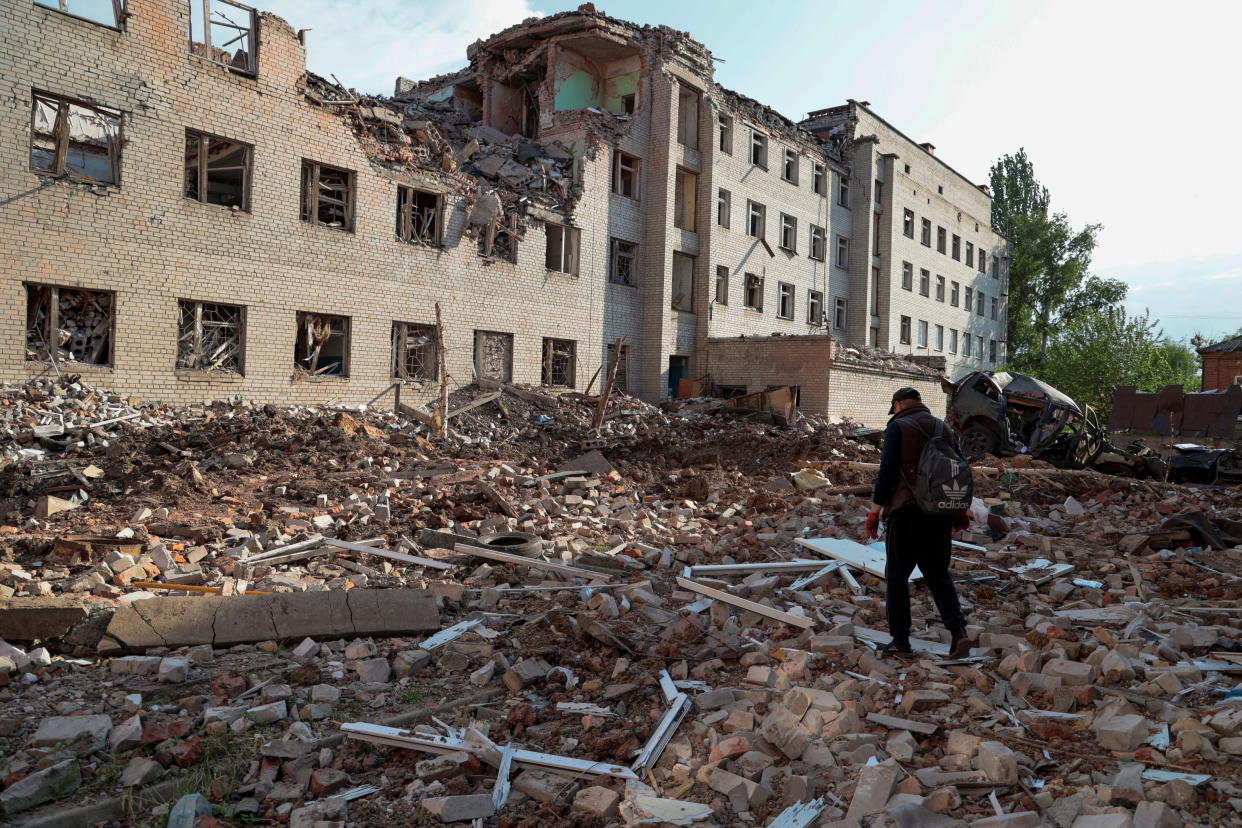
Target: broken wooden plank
x=313 y=540
x=534 y=563
x=448 y=634
x=189 y=588
x=895 y=723
x=502 y=503
x=475 y=403
x=767 y=612
x=799 y=565
x=388 y=553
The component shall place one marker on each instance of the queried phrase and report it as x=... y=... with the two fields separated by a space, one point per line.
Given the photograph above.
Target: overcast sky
x=1128 y=108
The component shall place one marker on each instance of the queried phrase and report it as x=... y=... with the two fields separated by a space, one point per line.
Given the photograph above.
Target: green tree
x=1184 y=361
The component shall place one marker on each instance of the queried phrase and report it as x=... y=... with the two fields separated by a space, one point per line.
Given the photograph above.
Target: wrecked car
x=1194 y=463
x=1004 y=414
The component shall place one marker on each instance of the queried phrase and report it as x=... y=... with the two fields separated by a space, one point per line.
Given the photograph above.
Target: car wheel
x=978 y=441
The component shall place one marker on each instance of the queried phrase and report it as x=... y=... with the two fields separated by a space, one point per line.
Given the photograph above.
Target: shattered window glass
x=322 y=347
x=624 y=263
x=105 y=12
x=217 y=171
x=230 y=36
x=68 y=324
x=209 y=337
x=75 y=139
x=418 y=216
x=327 y=196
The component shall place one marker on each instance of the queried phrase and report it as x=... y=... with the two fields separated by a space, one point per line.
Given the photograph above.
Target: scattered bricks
x=801 y=699
x=875 y=786
x=542 y=786
x=373 y=670
x=327 y=781
x=742 y=793
x=135 y=665
x=901 y=745
x=785 y=731
x=410 y=662
x=598 y=801
x=922 y=700
x=325 y=694
x=359 y=650
x=173 y=670
x=140 y=771
x=127 y=735
x=714 y=699
x=188 y=753
x=998 y=763
x=962 y=743
x=1071 y=673
x=744 y=721
x=1025 y=684
x=1104 y=821
x=1156 y=815
x=525 y=672
x=731 y=747
x=92 y=731
x=309 y=648
x=267 y=713
x=174 y=729
x=1123 y=733
x=460 y=808
x=443 y=766
x=753 y=763
x=1227 y=722
x=943 y=799
x=55 y=782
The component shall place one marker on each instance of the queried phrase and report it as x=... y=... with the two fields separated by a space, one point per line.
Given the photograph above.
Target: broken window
x=209 y=337
x=839 y=315
x=322 y=345
x=789 y=171
x=789 y=232
x=561 y=253
x=843 y=192
x=559 y=362
x=957 y=247
x=327 y=196
x=418 y=216
x=924 y=282
x=229 y=37
x=624 y=174
x=723 y=200
x=843 y=252
x=683 y=282
x=493 y=355
x=684 y=199
x=907 y=276
x=879 y=191
x=753 y=298
x=623 y=267
x=621 y=379
x=722 y=285
x=818 y=242
x=759 y=149
x=970 y=255
x=69 y=324
x=498 y=240
x=905 y=330
x=726 y=134
x=980 y=298
x=414 y=351
x=814 y=308
x=106 y=12
x=875 y=291
x=922 y=342
x=687 y=117
x=217 y=170
x=952 y=340
x=992 y=351
x=75 y=139
x=907 y=224
x=993 y=307
x=995 y=268
x=939 y=288
x=938 y=340
x=756 y=218
x=785 y=300
x=942 y=237
x=983 y=261
x=965 y=344
x=954 y=294
x=970 y=299
x=926 y=234
x=818 y=174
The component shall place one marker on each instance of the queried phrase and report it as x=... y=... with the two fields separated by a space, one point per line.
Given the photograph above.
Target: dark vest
x=912 y=443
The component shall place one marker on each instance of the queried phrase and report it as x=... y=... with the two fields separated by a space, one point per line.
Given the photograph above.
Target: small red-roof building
x=1222 y=364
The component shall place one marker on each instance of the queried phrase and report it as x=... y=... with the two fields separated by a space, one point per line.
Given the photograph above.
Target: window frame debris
x=789 y=169
x=111 y=122
x=482 y=339
x=217 y=54
x=688 y=106
x=756 y=213
x=498 y=239
x=725 y=134
x=314 y=331
x=414 y=351
x=819 y=174
x=202 y=176
x=560 y=362
x=625 y=174
x=65 y=7
x=840 y=313
x=420 y=224
x=215 y=345
x=45 y=313
x=815 y=308
x=567 y=248
x=621 y=379
x=615 y=254
x=314 y=199
x=752 y=292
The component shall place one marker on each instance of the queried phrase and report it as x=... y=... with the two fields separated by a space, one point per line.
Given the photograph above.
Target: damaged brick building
x=201 y=217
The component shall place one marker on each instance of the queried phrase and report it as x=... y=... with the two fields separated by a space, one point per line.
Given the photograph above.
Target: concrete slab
x=40 y=618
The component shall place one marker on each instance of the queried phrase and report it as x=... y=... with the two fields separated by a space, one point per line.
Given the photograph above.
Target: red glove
x=873 y=525
x=961 y=521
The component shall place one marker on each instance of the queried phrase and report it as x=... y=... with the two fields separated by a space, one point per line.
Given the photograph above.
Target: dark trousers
x=915 y=538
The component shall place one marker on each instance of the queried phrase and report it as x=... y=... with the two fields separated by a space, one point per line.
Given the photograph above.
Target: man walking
x=914 y=537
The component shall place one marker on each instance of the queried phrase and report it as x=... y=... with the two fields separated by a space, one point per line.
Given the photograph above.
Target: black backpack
x=943 y=483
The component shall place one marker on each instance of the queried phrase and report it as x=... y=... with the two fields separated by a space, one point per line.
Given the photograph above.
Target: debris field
x=233 y=615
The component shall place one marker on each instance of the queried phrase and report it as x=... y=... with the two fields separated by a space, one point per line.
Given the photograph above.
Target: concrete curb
x=114 y=807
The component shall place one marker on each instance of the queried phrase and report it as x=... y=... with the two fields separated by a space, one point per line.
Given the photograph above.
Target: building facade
x=1222 y=364
x=200 y=217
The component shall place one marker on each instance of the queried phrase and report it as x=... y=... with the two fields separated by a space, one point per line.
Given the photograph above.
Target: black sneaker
x=900 y=649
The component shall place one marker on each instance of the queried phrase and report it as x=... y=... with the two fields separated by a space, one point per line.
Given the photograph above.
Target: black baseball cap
x=900 y=394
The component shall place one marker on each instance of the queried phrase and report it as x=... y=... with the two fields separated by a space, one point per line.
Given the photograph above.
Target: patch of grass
x=351 y=710
x=411 y=696
x=108 y=773
x=226 y=755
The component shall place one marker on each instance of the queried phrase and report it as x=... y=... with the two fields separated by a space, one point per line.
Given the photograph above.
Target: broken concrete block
x=409 y=662
x=49 y=505
x=962 y=743
x=325 y=694
x=1124 y=733
x=1017 y=819
x=541 y=785
x=1156 y=815
x=173 y=670
x=127 y=735
x=743 y=794
x=875 y=786
x=373 y=670
x=714 y=699
x=307 y=649
x=91 y=730
x=1104 y=821
x=785 y=731
x=140 y=771
x=267 y=713
x=460 y=808
x=597 y=800
x=801 y=699
x=55 y=782
x=525 y=672
x=922 y=700
x=1071 y=673
x=730 y=747
x=998 y=763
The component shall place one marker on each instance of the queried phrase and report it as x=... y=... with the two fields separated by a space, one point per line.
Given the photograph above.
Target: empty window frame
x=414 y=355
x=683 y=282
x=879 y=192
x=687 y=117
x=907 y=224
x=493 y=355
x=217 y=170
x=875 y=291
x=815 y=308
x=229 y=38
x=104 y=12
x=65 y=324
x=969 y=301
x=957 y=247
x=907 y=276
x=939 y=288
x=789 y=170
x=322 y=344
x=819 y=177
x=925 y=235
x=561 y=251
x=784 y=300
x=843 y=191
x=839 y=313
x=843 y=252
x=756 y=219
x=922 y=340
x=75 y=139
x=905 y=330
x=621 y=379
x=560 y=362
x=875 y=240
x=819 y=243
x=952 y=340
x=724 y=202
x=789 y=233
x=327 y=196
x=210 y=337
x=942 y=240
x=684 y=198
x=758 y=149
x=955 y=294
x=970 y=254
x=753 y=292
x=623 y=263
x=938 y=338
x=722 y=285
x=625 y=174
x=499 y=240
x=994 y=307
x=724 y=125
x=924 y=282
x=419 y=216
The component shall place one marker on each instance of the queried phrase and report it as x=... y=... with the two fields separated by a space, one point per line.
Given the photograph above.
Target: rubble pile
x=681 y=631
x=880 y=358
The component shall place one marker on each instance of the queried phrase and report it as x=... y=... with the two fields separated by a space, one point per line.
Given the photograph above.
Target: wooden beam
x=534 y=563
x=750 y=606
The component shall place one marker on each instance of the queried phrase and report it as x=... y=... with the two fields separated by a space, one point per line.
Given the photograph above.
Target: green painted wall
x=578 y=91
